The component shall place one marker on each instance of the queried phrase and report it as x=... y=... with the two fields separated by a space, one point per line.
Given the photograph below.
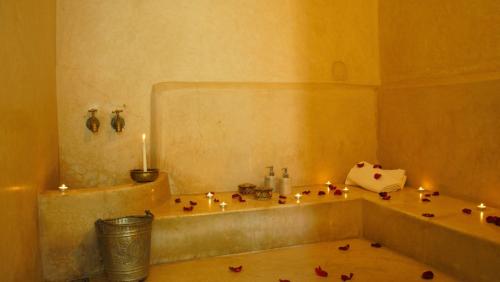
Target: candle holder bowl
x=141 y=176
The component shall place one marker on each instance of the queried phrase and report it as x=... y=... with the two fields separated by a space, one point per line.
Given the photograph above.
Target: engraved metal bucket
x=125 y=245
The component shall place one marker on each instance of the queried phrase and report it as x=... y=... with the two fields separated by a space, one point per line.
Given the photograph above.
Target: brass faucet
x=92 y=122
x=117 y=122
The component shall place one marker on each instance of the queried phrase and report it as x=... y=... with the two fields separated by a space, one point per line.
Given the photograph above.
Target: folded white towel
x=363 y=175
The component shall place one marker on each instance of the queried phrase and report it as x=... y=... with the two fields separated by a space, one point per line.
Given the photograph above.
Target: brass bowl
x=141 y=176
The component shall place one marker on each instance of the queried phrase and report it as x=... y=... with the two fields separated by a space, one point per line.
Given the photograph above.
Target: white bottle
x=285 y=187
x=269 y=181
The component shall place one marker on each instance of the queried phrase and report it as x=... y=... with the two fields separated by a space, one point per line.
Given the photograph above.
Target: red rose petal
x=491 y=219
x=320 y=272
x=377 y=166
x=236 y=196
x=386 y=198
x=282 y=197
x=337 y=192
x=426 y=200
x=236 y=268
x=377 y=175
x=193 y=203
x=345 y=277
x=428 y=215
x=435 y=193
x=427 y=195
x=376 y=245
x=242 y=200
x=321 y=193
x=281 y=202
x=467 y=211
x=360 y=165
x=427 y=275
x=344 y=248
x=216 y=200
x=178 y=200
x=284 y=280
x=382 y=194
x=188 y=208
x=307 y=192
x=332 y=187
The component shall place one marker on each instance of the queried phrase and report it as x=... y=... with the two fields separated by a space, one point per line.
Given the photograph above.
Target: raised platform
x=464 y=246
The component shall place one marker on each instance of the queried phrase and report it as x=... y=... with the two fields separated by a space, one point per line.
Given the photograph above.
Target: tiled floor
x=297 y=264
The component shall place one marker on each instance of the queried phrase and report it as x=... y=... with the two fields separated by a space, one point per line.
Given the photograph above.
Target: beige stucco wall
x=28 y=135
x=110 y=53
x=438 y=107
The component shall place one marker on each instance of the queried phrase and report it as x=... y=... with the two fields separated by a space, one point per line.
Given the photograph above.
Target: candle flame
x=144 y=137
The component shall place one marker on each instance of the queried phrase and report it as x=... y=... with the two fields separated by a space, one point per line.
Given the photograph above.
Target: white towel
x=389 y=181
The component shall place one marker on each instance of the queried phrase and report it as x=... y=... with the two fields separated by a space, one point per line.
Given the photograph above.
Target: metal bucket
x=125 y=245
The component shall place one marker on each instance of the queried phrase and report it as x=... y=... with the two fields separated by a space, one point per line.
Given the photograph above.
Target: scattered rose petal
x=428 y=215
x=344 y=248
x=490 y=219
x=193 y=203
x=376 y=245
x=377 y=175
x=427 y=275
x=307 y=192
x=377 y=166
x=213 y=193
x=360 y=165
x=435 y=193
x=467 y=211
x=282 y=197
x=427 y=195
x=320 y=272
x=216 y=200
x=321 y=193
x=426 y=200
x=332 y=187
x=190 y=208
x=337 y=192
x=242 y=200
x=284 y=280
x=236 y=196
x=178 y=200
x=281 y=202
x=386 y=198
x=236 y=268
x=345 y=277
x=382 y=194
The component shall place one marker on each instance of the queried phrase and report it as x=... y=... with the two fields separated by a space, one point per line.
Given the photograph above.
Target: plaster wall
x=28 y=135
x=438 y=105
x=110 y=54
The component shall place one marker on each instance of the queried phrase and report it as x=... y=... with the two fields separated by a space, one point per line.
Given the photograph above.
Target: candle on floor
x=345 y=189
x=481 y=206
x=421 y=189
x=298 y=196
x=210 y=195
x=144 y=161
x=328 y=183
x=223 y=205
x=63 y=187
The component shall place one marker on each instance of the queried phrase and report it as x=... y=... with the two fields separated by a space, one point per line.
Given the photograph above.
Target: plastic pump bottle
x=269 y=181
x=285 y=187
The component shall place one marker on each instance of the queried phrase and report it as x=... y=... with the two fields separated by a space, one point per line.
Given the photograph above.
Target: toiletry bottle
x=269 y=181
x=285 y=187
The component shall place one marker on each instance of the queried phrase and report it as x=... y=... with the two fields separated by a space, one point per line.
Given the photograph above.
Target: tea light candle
x=298 y=196
x=421 y=189
x=63 y=187
x=223 y=205
x=345 y=189
x=328 y=183
x=481 y=206
x=210 y=195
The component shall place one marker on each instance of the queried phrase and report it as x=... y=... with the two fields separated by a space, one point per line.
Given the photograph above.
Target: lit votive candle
x=328 y=183
x=210 y=195
x=481 y=207
x=298 y=196
x=223 y=205
x=63 y=188
x=345 y=189
x=421 y=189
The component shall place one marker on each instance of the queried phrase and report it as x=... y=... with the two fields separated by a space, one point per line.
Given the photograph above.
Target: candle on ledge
x=481 y=207
x=144 y=161
x=223 y=205
x=210 y=195
x=63 y=187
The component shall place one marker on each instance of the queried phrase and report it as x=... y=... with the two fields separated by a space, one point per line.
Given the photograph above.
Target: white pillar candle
x=144 y=160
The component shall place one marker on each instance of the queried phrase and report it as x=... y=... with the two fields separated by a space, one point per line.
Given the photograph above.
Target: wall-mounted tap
x=92 y=122
x=117 y=122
